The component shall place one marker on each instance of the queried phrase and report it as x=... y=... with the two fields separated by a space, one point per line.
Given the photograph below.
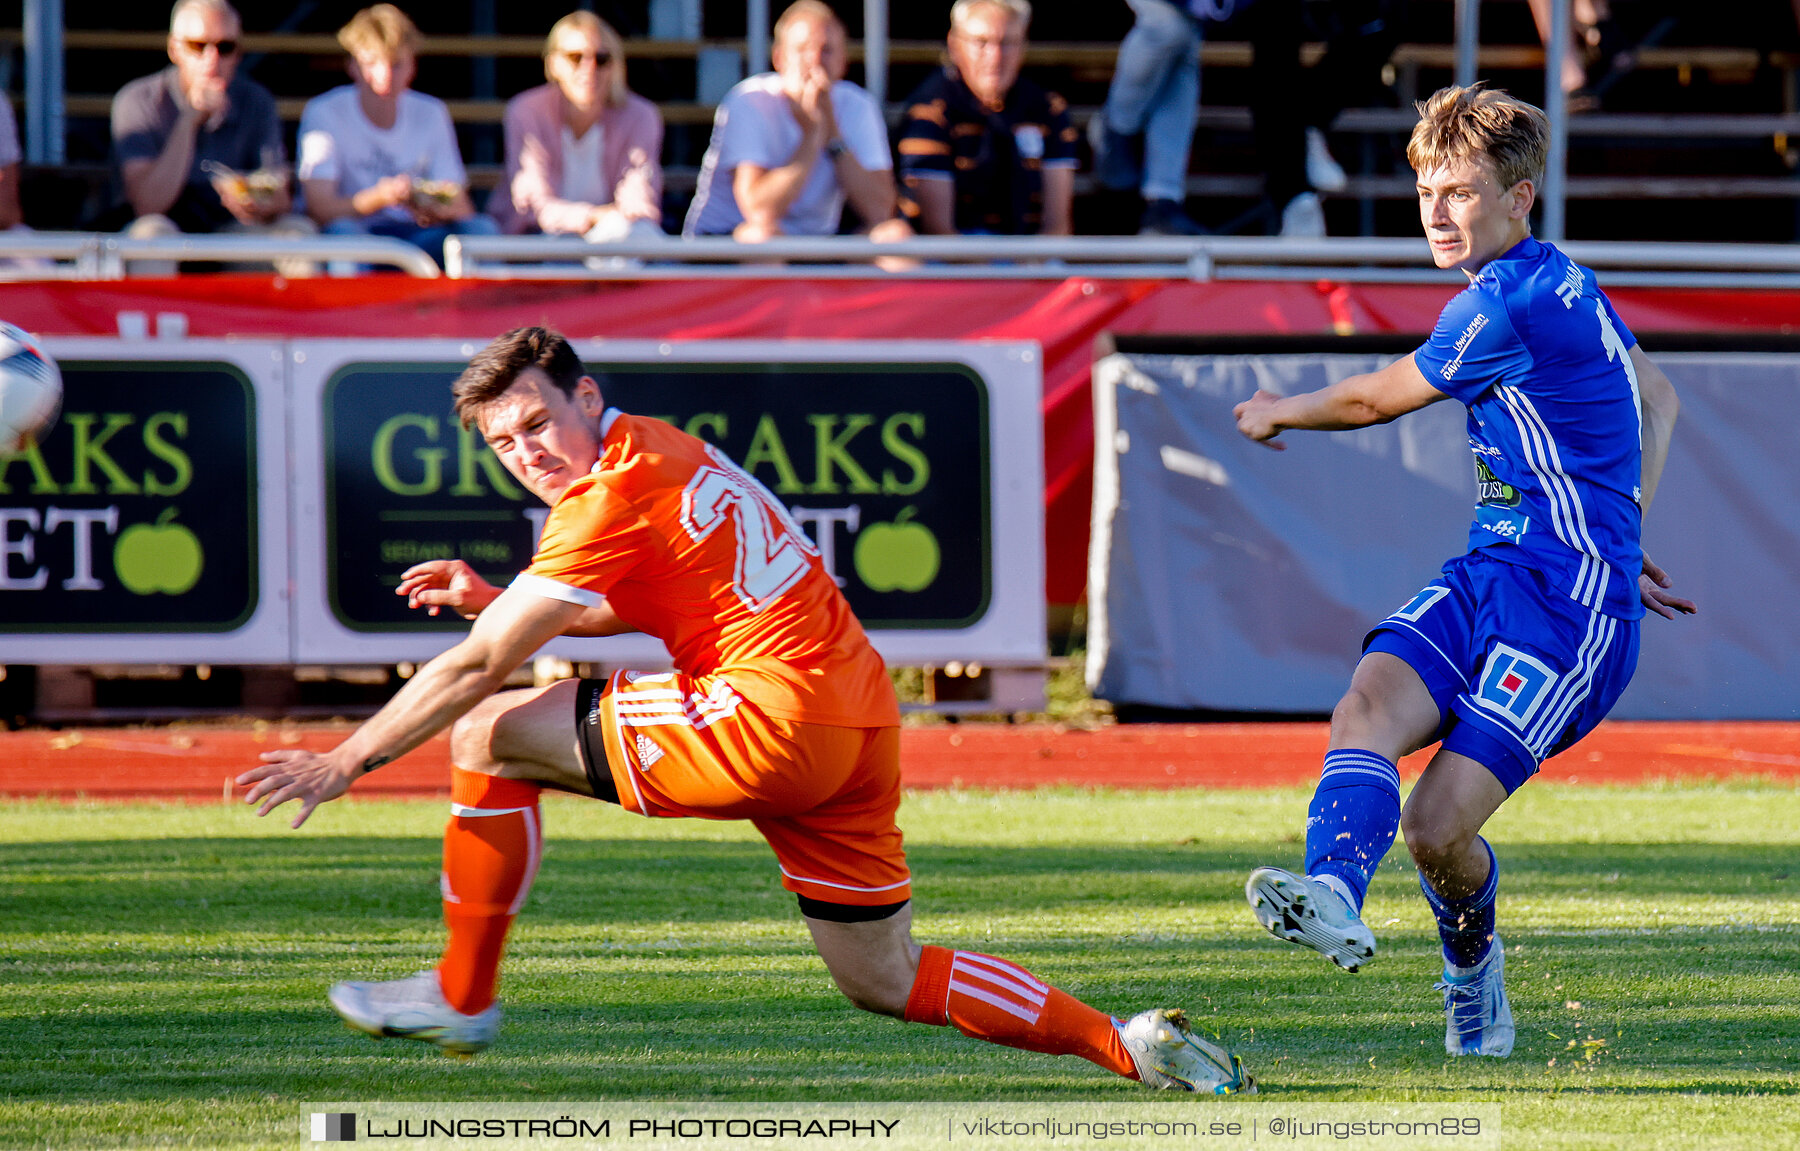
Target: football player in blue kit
x=1519 y=647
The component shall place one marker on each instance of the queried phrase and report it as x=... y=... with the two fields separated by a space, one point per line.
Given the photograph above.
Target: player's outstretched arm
x=599 y=621
x=438 y=584
x=1376 y=397
x=514 y=626
x=1658 y=405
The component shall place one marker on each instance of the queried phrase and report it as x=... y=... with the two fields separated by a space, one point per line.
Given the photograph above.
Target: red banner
x=1064 y=316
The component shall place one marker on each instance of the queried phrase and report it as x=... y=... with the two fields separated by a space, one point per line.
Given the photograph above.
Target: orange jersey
x=689 y=548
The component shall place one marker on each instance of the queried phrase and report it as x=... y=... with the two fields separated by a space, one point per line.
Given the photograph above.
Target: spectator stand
x=1733 y=144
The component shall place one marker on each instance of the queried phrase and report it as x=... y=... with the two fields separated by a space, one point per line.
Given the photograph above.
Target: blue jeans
x=1156 y=90
x=431 y=239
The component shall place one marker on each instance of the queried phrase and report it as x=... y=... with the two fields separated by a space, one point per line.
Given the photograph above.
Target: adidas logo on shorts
x=648 y=752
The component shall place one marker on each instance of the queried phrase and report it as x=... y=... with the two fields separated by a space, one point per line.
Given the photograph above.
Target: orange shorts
x=824 y=797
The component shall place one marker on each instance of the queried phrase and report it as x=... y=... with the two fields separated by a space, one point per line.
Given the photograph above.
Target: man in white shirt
x=790 y=147
x=377 y=157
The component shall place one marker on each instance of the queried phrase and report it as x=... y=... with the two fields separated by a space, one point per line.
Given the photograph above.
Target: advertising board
x=914 y=468
x=150 y=525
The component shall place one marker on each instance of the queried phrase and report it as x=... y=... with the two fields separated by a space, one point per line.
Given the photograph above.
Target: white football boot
x=1300 y=909
x=1170 y=1057
x=414 y=1008
x=1477 y=1019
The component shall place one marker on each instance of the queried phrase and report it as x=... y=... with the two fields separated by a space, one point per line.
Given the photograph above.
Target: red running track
x=198 y=763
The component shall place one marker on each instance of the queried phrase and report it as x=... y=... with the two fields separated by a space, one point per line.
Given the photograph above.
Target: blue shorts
x=1519 y=671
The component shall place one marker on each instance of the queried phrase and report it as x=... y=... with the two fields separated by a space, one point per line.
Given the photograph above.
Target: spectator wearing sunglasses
x=582 y=151
x=983 y=150
x=188 y=139
x=376 y=157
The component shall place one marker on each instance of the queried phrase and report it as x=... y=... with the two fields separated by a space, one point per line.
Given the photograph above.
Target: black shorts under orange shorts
x=669 y=744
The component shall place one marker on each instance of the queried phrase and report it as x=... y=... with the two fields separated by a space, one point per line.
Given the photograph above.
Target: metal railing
x=109 y=256
x=50 y=256
x=1367 y=260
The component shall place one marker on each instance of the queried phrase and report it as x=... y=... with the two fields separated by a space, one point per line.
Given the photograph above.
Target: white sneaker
x=1300 y=909
x=1477 y=1019
x=414 y=1008
x=1304 y=217
x=1170 y=1057
x=1323 y=172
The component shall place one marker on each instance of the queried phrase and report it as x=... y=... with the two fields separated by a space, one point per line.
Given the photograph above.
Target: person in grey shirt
x=197 y=147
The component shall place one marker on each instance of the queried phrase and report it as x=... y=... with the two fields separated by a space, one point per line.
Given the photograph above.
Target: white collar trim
x=607 y=419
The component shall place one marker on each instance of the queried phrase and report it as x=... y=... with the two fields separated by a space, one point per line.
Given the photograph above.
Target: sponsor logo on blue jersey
x=1421 y=603
x=1514 y=684
x=1449 y=370
x=1502 y=522
x=1491 y=489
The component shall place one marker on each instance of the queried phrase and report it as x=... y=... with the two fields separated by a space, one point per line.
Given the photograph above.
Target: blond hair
x=1475 y=122
x=585 y=21
x=381 y=30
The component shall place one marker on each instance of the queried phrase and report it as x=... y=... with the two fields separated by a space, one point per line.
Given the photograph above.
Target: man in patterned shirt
x=779 y=712
x=985 y=151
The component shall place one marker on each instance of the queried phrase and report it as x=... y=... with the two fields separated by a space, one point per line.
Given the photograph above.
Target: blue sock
x=1466 y=925
x=1354 y=814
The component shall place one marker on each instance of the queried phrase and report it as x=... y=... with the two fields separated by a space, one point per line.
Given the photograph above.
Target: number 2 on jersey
x=771 y=554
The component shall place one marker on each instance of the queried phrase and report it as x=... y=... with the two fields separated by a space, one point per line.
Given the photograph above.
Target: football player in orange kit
x=780 y=713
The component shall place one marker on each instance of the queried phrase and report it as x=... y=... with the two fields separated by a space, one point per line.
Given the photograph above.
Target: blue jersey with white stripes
x=1541 y=359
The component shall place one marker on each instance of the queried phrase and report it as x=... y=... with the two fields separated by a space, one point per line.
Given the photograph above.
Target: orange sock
x=491 y=849
x=1001 y=1002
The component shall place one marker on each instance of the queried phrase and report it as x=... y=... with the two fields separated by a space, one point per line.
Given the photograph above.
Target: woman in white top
x=583 y=154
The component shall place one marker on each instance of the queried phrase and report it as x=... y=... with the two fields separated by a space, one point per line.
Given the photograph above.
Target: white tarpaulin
x=1227 y=576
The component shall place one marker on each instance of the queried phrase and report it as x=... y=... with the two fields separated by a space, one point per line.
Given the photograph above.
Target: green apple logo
x=164 y=557
x=900 y=556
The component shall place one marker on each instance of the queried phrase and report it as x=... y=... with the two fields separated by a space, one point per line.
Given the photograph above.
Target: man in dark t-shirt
x=983 y=150
x=188 y=140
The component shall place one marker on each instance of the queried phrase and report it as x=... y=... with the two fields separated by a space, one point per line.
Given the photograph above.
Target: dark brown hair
x=495 y=367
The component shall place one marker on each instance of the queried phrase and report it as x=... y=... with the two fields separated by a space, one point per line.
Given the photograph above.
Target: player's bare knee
x=1356 y=719
x=873 y=984
x=873 y=998
x=875 y=973
x=472 y=740
x=1431 y=844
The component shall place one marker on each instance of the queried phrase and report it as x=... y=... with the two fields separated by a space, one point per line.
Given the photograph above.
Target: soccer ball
x=30 y=389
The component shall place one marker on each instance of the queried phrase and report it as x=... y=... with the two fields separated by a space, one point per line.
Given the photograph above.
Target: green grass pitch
x=162 y=969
